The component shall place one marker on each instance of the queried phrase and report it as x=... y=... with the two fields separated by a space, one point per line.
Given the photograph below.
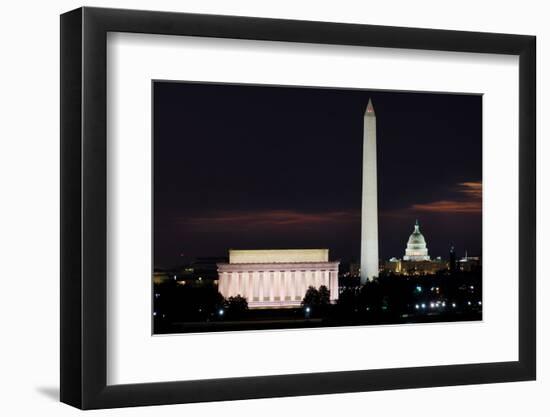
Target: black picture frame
x=84 y=207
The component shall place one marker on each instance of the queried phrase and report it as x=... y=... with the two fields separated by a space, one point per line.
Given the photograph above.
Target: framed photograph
x=258 y=208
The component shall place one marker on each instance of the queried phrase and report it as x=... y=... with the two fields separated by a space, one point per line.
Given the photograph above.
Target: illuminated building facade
x=402 y=267
x=277 y=277
x=416 y=260
x=416 y=246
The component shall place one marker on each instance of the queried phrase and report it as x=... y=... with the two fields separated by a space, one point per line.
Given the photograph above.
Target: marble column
x=255 y=286
x=279 y=285
x=306 y=282
x=334 y=290
x=271 y=286
x=318 y=281
x=222 y=280
x=288 y=282
x=248 y=286
x=233 y=284
x=261 y=286
x=240 y=284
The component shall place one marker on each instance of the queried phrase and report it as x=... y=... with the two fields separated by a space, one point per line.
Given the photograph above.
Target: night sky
x=252 y=167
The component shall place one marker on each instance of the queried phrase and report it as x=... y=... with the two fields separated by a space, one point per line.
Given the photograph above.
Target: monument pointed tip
x=370 y=107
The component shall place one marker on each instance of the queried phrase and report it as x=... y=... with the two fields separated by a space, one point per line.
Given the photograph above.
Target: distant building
x=416 y=260
x=204 y=271
x=354 y=269
x=277 y=277
x=401 y=267
x=206 y=267
x=469 y=263
x=452 y=259
x=160 y=277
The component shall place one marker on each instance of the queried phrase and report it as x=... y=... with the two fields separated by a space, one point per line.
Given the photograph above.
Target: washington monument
x=369 y=203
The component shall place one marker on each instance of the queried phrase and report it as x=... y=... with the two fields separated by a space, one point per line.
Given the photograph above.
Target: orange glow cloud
x=273 y=218
x=472 y=191
x=446 y=206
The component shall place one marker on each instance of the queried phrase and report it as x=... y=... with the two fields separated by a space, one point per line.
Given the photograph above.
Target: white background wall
x=29 y=207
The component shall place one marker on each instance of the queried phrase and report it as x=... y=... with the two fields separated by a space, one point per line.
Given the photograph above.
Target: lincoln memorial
x=277 y=277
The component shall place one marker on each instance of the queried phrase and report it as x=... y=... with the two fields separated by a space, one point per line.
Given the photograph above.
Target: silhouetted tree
x=311 y=298
x=324 y=295
x=237 y=305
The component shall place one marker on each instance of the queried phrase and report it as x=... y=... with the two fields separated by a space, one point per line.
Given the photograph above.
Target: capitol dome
x=416 y=246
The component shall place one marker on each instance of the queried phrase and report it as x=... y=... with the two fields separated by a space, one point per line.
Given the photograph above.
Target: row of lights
x=439 y=304
x=221 y=312
x=433 y=305
x=175 y=277
x=436 y=289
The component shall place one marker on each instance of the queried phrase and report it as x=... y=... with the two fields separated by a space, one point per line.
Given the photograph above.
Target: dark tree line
x=387 y=299
x=391 y=297
x=173 y=302
x=316 y=301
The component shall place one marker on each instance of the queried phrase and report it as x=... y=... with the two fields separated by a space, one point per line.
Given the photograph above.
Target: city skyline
x=254 y=167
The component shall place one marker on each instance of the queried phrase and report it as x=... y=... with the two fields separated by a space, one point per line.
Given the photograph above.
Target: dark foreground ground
x=389 y=300
x=295 y=319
